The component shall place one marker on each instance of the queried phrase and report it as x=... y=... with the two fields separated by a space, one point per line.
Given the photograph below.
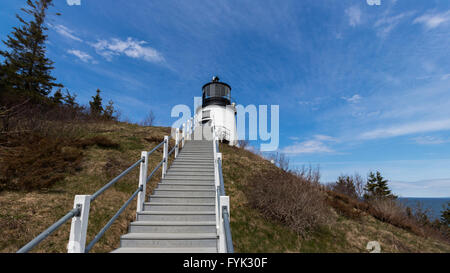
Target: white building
x=217 y=109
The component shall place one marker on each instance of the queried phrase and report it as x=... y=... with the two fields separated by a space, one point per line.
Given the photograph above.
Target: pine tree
x=96 y=105
x=26 y=68
x=377 y=187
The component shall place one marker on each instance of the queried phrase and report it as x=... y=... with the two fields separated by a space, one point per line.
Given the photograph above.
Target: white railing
x=80 y=212
x=222 y=201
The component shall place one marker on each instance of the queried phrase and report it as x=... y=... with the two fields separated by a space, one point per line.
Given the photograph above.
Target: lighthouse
x=218 y=110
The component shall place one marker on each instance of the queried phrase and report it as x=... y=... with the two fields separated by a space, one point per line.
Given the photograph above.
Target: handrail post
x=184 y=135
x=217 y=183
x=142 y=182
x=78 y=228
x=224 y=202
x=165 y=157
x=188 y=129
x=216 y=168
x=177 y=141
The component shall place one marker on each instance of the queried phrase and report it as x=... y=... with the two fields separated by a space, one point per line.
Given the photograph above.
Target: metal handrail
x=111 y=221
x=226 y=224
x=114 y=180
x=50 y=230
x=77 y=211
x=171 y=151
x=155 y=169
x=154 y=149
x=226 y=220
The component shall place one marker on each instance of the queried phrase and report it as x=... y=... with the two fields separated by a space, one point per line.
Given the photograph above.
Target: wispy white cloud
x=433 y=20
x=81 y=55
x=430 y=140
x=326 y=138
x=386 y=24
x=130 y=48
x=316 y=145
x=422 y=188
x=354 y=99
x=408 y=128
x=66 y=32
x=354 y=15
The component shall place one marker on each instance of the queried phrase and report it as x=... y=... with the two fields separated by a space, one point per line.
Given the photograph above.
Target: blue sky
x=360 y=87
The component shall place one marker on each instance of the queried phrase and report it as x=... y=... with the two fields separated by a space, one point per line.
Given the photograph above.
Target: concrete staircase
x=180 y=215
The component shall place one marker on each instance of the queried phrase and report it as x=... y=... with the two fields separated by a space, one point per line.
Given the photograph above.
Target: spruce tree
x=26 y=69
x=96 y=105
x=377 y=187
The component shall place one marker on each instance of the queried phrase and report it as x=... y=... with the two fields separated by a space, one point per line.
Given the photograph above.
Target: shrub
x=100 y=141
x=345 y=205
x=37 y=163
x=345 y=185
x=292 y=199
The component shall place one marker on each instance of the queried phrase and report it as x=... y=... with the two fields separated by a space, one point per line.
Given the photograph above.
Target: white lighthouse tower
x=218 y=110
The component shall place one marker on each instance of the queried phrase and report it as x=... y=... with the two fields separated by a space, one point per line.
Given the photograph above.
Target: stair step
x=165 y=250
x=178 y=199
x=186 y=216
x=194 y=160
x=187 y=173
x=168 y=186
x=172 y=226
x=191 y=165
x=190 y=176
x=187 y=181
x=184 y=193
x=166 y=240
x=191 y=169
x=197 y=152
x=198 y=207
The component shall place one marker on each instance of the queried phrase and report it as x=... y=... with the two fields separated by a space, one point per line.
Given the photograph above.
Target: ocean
x=433 y=204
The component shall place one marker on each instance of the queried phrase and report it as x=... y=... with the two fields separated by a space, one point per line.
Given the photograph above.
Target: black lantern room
x=216 y=93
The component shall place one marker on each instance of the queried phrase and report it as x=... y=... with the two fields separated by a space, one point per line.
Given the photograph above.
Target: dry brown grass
x=23 y=215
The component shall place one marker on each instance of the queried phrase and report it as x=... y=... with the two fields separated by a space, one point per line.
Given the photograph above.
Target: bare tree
x=280 y=160
x=149 y=119
x=359 y=185
x=243 y=143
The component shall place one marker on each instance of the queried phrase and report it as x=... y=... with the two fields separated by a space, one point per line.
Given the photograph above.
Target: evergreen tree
x=58 y=97
x=445 y=217
x=345 y=185
x=26 y=68
x=377 y=187
x=96 y=105
x=109 y=111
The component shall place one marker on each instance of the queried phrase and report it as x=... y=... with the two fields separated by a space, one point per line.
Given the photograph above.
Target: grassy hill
x=23 y=215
